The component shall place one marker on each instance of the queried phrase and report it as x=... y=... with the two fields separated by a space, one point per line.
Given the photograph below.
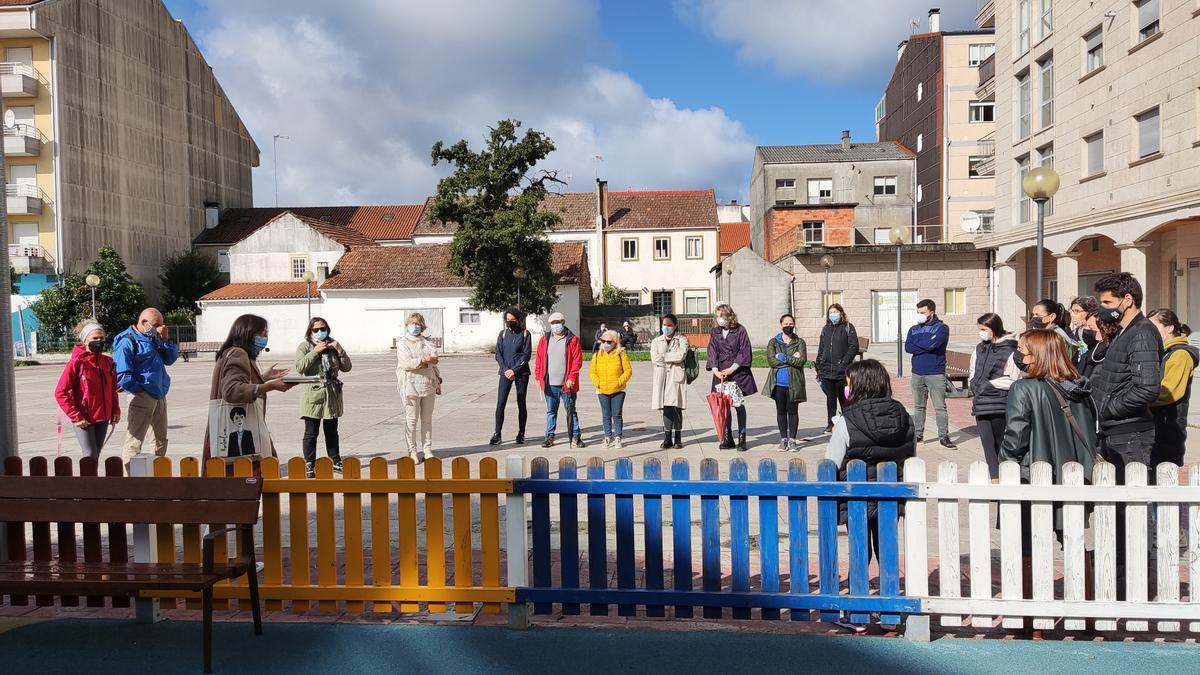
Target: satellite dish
x=10 y=119
x=970 y=222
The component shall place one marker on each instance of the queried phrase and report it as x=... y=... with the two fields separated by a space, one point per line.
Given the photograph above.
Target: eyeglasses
x=607 y=342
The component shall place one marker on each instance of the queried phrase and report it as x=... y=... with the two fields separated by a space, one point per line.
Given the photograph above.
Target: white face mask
x=606 y=346
x=722 y=321
x=985 y=336
x=922 y=318
x=557 y=328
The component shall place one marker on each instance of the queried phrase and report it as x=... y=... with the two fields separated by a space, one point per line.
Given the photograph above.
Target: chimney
x=212 y=215
x=935 y=20
x=733 y=202
x=900 y=49
x=601 y=205
x=322 y=272
x=846 y=139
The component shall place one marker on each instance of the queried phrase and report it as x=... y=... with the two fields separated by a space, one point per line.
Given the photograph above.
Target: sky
x=649 y=94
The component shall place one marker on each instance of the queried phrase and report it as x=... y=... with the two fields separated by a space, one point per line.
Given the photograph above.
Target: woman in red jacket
x=87 y=390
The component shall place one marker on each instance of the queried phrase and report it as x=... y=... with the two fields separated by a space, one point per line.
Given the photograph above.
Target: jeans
x=935 y=386
x=145 y=413
x=787 y=413
x=1120 y=450
x=506 y=385
x=333 y=446
x=553 y=396
x=672 y=418
x=741 y=420
x=91 y=439
x=611 y=406
x=991 y=434
x=835 y=394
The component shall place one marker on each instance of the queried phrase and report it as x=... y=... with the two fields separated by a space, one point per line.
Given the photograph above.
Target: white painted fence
x=1074 y=602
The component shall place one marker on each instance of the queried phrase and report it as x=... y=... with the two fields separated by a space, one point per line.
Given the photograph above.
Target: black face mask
x=95 y=346
x=789 y=330
x=1019 y=360
x=1036 y=322
x=1110 y=314
x=514 y=326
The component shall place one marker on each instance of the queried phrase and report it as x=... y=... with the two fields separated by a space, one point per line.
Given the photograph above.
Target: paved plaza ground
x=464 y=417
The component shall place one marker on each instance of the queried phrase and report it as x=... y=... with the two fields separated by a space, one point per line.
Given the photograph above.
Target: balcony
x=986 y=16
x=986 y=152
x=19 y=80
x=23 y=140
x=24 y=199
x=27 y=259
x=986 y=89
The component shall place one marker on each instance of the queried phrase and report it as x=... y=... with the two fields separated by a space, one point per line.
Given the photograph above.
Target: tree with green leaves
x=186 y=277
x=495 y=198
x=119 y=299
x=612 y=295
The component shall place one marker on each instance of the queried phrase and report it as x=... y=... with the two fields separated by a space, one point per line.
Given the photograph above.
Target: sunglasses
x=607 y=342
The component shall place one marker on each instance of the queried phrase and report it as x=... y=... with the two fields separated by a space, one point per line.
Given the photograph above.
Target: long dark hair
x=242 y=334
x=868 y=379
x=994 y=324
x=1061 y=319
x=312 y=322
x=1168 y=317
x=840 y=311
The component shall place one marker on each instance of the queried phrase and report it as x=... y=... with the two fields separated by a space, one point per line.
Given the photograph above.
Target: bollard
x=916 y=628
x=144 y=549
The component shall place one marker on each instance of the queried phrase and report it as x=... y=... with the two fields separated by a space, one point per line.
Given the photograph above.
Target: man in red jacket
x=87 y=390
x=559 y=360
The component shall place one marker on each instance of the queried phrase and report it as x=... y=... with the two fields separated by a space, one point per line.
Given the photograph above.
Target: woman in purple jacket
x=729 y=357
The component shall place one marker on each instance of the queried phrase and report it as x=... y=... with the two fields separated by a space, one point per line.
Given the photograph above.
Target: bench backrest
x=958 y=360
x=184 y=501
x=863 y=344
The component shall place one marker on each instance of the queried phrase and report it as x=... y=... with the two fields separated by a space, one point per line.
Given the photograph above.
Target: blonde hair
x=416 y=318
x=729 y=314
x=616 y=338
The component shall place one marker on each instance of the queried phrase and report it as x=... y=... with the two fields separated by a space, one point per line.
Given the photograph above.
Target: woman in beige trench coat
x=667 y=353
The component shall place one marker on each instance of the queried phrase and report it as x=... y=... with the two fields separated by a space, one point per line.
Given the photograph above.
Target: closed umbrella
x=719 y=403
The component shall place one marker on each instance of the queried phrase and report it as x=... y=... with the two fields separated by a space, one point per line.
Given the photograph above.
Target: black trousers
x=505 y=386
x=740 y=413
x=333 y=448
x=835 y=395
x=1120 y=450
x=991 y=434
x=672 y=418
x=787 y=413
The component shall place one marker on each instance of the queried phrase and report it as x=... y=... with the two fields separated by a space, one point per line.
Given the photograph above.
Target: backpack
x=691 y=365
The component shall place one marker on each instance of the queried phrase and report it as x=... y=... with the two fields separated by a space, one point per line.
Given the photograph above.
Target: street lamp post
x=1040 y=185
x=826 y=262
x=93 y=281
x=308 y=281
x=898 y=236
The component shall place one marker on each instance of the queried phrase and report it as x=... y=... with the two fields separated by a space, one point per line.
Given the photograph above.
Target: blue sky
x=702 y=81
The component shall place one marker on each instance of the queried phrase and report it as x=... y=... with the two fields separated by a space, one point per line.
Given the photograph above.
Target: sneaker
x=577 y=442
x=947 y=443
x=309 y=471
x=784 y=445
x=608 y=442
x=412 y=454
x=549 y=442
x=337 y=467
x=495 y=440
x=426 y=453
x=521 y=438
x=828 y=429
x=617 y=444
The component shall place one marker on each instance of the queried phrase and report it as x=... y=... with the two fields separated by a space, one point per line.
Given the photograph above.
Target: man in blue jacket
x=927 y=342
x=142 y=353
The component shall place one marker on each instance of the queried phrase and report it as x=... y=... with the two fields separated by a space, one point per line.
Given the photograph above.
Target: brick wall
x=784 y=227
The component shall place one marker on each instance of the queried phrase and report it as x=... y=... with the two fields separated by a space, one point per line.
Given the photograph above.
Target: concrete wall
x=286 y=322
x=267 y=254
x=758 y=291
x=677 y=274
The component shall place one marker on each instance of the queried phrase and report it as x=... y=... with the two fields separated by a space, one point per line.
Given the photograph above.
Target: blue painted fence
x=558 y=581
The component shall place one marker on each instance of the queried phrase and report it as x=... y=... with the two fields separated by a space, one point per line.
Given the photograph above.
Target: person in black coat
x=514 y=348
x=628 y=336
x=1083 y=334
x=835 y=352
x=992 y=373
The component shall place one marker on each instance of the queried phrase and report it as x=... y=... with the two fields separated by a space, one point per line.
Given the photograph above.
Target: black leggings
x=332 y=443
x=835 y=394
x=672 y=418
x=787 y=413
x=740 y=413
x=991 y=434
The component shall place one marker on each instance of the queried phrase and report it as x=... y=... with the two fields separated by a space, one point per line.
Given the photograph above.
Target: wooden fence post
x=916 y=552
x=146 y=609
x=516 y=547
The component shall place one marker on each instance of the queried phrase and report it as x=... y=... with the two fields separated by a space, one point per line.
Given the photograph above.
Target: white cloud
x=364 y=89
x=827 y=39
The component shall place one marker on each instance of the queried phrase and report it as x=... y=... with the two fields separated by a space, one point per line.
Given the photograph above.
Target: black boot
x=678 y=439
x=741 y=446
x=666 y=439
x=727 y=444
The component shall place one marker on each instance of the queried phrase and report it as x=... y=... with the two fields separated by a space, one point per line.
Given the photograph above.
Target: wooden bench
x=863 y=344
x=958 y=369
x=117 y=500
x=189 y=349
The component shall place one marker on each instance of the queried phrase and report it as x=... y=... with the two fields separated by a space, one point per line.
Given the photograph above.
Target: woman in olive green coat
x=321 y=402
x=787 y=355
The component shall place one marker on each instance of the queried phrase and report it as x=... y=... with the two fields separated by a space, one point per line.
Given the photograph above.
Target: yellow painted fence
x=363 y=532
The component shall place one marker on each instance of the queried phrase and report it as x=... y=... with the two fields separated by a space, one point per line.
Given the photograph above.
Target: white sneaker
x=412 y=454
x=794 y=446
x=608 y=442
x=617 y=443
x=426 y=453
x=784 y=445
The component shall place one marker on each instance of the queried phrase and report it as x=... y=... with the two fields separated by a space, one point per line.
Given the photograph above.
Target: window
x=1023 y=105
x=973 y=164
x=979 y=53
x=662 y=248
x=814 y=232
x=883 y=236
x=785 y=183
x=629 y=249
x=1023 y=203
x=920 y=142
x=223 y=261
x=831 y=298
x=1023 y=8
x=695 y=247
x=1094 y=146
x=664 y=302
x=1046 y=80
x=695 y=302
x=955 y=301
x=920 y=194
x=881 y=109
x=299 y=267
x=885 y=186
x=633 y=298
x=1147 y=19
x=820 y=190
x=468 y=316
x=987 y=222
x=982 y=111
x=1046 y=158
x=1148 y=133
x=785 y=202
x=1046 y=14
x=920 y=90
x=1093 y=46
x=322 y=270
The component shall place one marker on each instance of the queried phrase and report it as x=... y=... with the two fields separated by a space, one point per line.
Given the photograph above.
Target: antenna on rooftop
x=916 y=26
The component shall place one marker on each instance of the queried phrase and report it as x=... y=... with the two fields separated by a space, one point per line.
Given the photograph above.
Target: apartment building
x=930 y=106
x=1107 y=92
x=116 y=133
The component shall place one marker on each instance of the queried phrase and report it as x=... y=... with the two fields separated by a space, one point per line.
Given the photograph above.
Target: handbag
x=238 y=429
x=1065 y=406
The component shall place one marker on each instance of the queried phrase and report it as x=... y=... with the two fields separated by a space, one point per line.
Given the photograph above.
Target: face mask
x=668 y=330
x=150 y=332
x=414 y=329
x=95 y=346
x=514 y=326
x=722 y=321
x=260 y=343
x=789 y=330
x=1019 y=360
x=1110 y=314
x=606 y=346
x=321 y=335
x=985 y=336
x=834 y=317
x=846 y=392
x=922 y=318
x=557 y=328
x=1036 y=322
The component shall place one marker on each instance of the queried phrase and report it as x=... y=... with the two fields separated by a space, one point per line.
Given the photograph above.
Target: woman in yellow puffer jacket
x=1170 y=411
x=610 y=372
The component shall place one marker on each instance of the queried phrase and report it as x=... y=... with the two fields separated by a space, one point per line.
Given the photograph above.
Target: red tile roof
x=662 y=210
x=264 y=290
x=734 y=237
x=425 y=266
x=339 y=233
x=576 y=209
x=372 y=221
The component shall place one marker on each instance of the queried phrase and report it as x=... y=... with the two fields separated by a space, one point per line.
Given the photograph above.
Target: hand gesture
x=721 y=375
x=569 y=385
x=796 y=355
x=509 y=374
x=163 y=332
x=275 y=372
x=274 y=384
x=321 y=346
x=116 y=418
x=334 y=344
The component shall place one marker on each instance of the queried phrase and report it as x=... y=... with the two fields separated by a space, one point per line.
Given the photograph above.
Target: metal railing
x=987 y=145
x=24 y=190
x=24 y=131
x=25 y=251
x=987 y=69
x=15 y=68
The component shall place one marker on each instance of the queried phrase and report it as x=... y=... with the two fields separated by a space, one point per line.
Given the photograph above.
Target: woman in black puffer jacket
x=836 y=351
x=993 y=370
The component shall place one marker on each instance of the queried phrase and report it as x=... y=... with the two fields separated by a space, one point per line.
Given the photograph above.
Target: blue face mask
x=668 y=330
x=321 y=335
x=260 y=343
x=414 y=329
x=557 y=328
x=834 y=317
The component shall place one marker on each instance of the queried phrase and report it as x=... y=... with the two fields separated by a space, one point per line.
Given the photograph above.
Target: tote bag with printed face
x=238 y=429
